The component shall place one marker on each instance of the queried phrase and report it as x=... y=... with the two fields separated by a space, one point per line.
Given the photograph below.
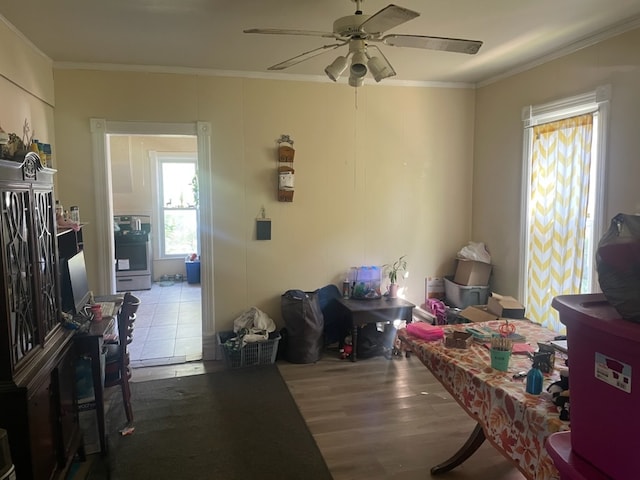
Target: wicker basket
x=254 y=353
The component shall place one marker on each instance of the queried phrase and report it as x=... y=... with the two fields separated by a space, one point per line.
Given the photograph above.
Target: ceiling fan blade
x=305 y=56
x=457 y=45
x=280 y=31
x=387 y=18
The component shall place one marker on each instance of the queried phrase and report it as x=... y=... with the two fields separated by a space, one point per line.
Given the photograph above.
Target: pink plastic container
x=569 y=465
x=425 y=331
x=604 y=381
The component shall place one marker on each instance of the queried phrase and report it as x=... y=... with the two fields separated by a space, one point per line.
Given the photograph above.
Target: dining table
x=515 y=422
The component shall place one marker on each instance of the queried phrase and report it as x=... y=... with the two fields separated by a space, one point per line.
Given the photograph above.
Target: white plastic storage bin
x=366 y=282
x=463 y=296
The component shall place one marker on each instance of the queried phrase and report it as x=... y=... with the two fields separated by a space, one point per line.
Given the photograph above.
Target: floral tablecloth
x=515 y=422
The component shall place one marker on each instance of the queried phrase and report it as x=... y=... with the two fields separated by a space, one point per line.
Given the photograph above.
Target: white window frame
x=594 y=101
x=157 y=158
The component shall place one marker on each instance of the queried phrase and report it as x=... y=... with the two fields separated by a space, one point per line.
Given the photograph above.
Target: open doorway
x=154 y=178
x=134 y=179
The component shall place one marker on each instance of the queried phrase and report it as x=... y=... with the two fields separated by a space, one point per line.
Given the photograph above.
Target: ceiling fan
x=359 y=32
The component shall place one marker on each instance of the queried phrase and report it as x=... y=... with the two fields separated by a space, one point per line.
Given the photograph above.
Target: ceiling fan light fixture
x=380 y=69
x=359 y=64
x=360 y=32
x=337 y=67
x=356 y=81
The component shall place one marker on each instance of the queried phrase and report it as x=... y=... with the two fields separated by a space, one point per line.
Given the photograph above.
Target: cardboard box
x=478 y=313
x=504 y=306
x=458 y=340
x=471 y=272
x=433 y=288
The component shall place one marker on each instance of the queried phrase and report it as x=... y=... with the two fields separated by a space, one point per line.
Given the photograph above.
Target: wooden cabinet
x=37 y=379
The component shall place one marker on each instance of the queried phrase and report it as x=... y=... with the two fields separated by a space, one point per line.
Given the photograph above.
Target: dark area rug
x=235 y=424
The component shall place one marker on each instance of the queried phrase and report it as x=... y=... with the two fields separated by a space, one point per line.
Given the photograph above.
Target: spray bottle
x=534 y=379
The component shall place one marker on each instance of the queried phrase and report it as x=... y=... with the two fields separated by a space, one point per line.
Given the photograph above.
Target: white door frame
x=100 y=128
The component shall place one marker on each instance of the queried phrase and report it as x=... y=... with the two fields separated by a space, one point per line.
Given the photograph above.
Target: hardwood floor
x=387 y=419
x=376 y=419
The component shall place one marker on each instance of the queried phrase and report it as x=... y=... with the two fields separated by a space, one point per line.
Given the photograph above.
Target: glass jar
x=74 y=214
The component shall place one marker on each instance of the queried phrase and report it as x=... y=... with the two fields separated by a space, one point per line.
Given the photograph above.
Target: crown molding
x=369 y=82
x=593 y=39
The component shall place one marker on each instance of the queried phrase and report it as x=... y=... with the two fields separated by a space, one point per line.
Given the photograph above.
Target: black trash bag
x=282 y=344
x=618 y=265
x=336 y=320
x=305 y=326
x=373 y=342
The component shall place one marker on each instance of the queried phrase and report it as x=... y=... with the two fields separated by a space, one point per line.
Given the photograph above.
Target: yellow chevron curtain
x=560 y=166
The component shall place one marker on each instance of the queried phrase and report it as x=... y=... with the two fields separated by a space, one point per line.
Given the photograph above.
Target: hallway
x=168 y=327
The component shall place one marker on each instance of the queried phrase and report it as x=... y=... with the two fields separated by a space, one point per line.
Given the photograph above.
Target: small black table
x=90 y=344
x=373 y=311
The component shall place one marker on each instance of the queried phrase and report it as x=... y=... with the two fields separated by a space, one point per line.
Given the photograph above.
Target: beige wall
x=379 y=174
x=26 y=88
x=499 y=137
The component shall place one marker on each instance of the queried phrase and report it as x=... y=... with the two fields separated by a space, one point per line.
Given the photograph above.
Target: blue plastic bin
x=193 y=271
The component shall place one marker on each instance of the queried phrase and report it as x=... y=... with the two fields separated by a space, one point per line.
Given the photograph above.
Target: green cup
x=500 y=359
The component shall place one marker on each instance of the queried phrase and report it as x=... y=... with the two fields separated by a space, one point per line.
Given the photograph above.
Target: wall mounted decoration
x=263 y=226
x=285 y=169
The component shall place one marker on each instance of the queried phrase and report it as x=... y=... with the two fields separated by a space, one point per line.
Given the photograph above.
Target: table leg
x=354 y=341
x=98 y=389
x=471 y=445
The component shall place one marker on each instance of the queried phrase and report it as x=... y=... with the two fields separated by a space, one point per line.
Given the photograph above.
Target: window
x=177 y=204
x=562 y=201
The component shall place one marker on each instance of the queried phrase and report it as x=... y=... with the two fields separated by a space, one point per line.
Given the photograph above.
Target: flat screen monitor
x=77 y=285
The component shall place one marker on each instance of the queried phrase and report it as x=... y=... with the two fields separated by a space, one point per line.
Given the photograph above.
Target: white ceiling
x=208 y=34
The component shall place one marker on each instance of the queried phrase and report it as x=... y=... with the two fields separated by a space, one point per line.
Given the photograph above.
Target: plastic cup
x=500 y=359
x=97 y=313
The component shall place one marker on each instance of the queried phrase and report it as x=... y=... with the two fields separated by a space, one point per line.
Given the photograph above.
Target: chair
x=117 y=371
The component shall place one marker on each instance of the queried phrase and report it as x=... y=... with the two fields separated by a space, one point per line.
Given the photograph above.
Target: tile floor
x=168 y=328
